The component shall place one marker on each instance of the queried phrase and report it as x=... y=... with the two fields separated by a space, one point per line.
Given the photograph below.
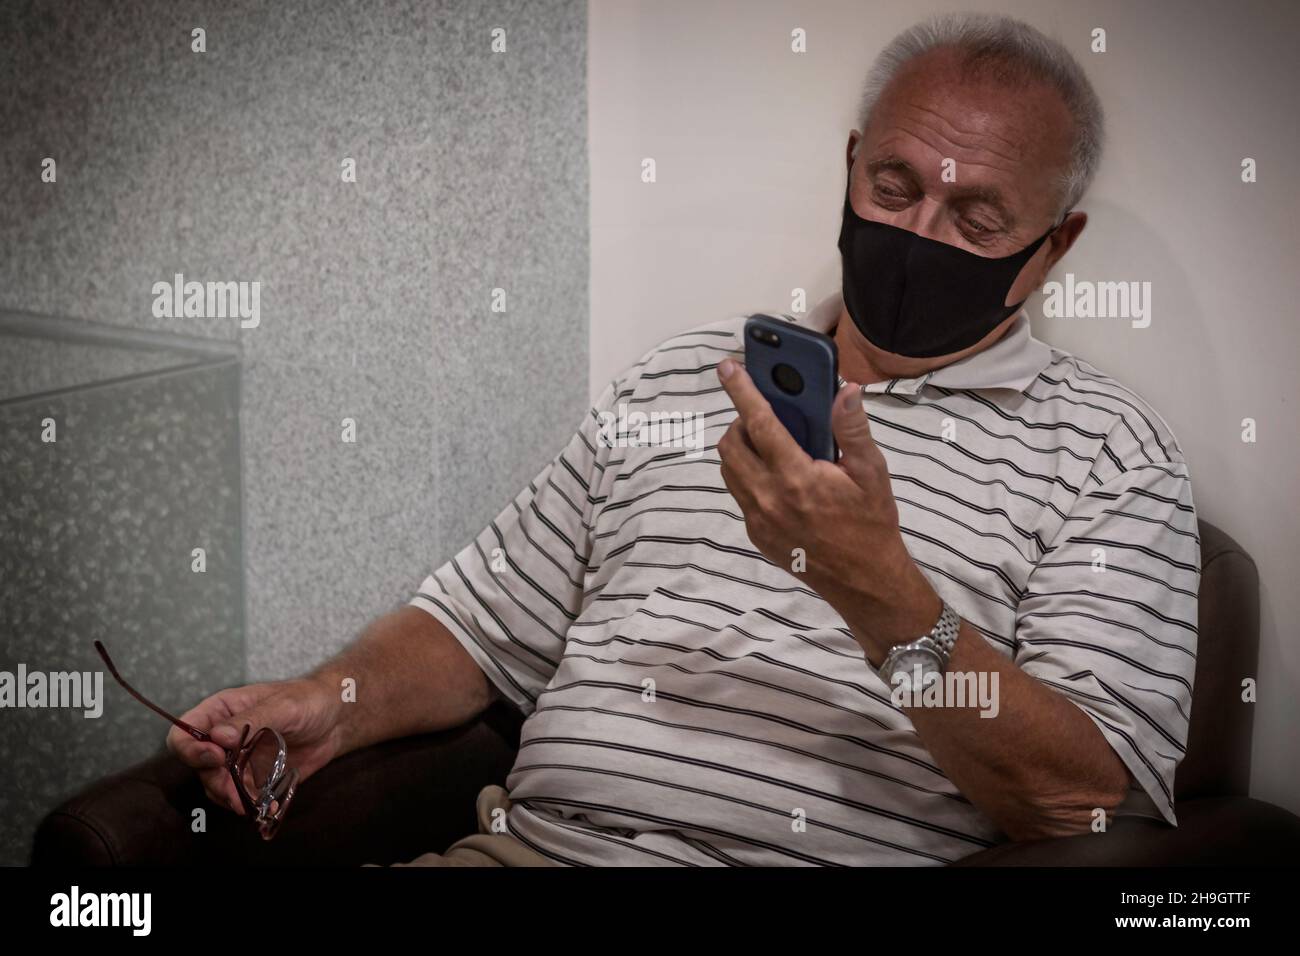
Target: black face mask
x=918 y=297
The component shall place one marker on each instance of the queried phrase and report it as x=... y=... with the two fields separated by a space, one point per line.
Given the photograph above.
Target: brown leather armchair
x=393 y=801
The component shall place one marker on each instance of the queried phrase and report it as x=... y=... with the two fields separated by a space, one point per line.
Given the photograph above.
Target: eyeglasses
x=257 y=765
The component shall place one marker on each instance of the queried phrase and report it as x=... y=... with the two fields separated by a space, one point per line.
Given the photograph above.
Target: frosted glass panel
x=97 y=532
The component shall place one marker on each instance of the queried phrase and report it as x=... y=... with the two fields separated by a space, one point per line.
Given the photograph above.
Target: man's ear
x=851 y=149
x=1062 y=239
x=1032 y=276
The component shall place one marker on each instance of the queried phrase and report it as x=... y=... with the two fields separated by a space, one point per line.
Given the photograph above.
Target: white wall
x=749 y=143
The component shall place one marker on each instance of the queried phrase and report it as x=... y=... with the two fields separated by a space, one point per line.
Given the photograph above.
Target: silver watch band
x=944 y=633
x=939 y=640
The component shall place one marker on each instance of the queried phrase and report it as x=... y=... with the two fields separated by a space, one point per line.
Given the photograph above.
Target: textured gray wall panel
x=375 y=295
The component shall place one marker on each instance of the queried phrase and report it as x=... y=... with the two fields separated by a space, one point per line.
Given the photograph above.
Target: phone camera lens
x=787 y=378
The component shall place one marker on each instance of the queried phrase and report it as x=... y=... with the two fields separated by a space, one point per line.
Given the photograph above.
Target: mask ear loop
x=1047 y=235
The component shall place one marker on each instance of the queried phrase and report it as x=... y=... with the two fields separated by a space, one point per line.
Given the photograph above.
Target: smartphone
x=796 y=369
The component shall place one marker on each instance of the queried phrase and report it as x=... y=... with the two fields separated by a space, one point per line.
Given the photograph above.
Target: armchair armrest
x=382 y=804
x=1219 y=831
x=395 y=800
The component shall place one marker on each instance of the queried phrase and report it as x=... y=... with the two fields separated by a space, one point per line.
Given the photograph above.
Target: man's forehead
x=983 y=86
x=1007 y=123
x=982 y=121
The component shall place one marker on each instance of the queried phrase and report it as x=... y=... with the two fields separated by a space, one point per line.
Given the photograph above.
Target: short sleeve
x=1109 y=618
x=510 y=595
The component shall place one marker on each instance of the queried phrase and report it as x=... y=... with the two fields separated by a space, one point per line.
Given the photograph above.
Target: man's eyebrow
x=894 y=164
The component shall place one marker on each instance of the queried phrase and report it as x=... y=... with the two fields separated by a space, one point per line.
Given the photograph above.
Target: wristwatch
x=929 y=652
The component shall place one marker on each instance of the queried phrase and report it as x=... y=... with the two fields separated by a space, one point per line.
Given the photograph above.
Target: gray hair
x=1013 y=51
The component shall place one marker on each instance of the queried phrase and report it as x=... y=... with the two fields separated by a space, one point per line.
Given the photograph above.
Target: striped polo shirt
x=690 y=702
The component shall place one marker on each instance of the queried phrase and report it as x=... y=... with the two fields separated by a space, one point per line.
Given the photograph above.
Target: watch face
x=914 y=668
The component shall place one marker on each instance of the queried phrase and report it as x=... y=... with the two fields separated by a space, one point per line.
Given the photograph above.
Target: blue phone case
x=796 y=370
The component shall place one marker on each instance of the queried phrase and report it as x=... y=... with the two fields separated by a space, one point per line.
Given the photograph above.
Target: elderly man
x=707 y=646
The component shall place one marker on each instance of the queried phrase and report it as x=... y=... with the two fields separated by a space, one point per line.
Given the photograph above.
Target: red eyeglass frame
x=273 y=798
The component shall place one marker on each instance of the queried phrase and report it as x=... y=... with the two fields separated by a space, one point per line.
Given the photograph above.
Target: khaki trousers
x=484 y=848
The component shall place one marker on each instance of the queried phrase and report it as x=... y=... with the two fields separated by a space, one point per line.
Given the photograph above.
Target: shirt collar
x=1013 y=361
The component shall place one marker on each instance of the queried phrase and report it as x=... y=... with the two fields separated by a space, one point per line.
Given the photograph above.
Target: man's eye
x=980 y=233
x=889 y=193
